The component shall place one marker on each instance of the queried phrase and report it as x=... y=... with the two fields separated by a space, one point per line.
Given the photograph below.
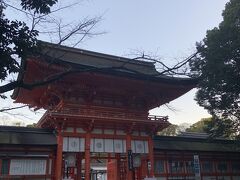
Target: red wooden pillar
x=58 y=168
x=151 y=156
x=109 y=157
x=118 y=159
x=87 y=156
x=79 y=166
x=128 y=147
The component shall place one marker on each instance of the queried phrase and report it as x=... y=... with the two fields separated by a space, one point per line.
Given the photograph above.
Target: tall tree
x=218 y=69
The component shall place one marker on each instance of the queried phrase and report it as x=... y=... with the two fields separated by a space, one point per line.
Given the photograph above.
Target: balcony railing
x=104 y=113
x=158 y=118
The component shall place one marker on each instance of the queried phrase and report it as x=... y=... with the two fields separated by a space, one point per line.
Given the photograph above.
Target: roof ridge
x=97 y=54
x=20 y=129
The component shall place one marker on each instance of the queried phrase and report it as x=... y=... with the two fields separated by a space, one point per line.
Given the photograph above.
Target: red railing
x=109 y=114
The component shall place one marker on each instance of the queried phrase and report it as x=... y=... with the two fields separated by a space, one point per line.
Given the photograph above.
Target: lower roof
x=21 y=136
x=10 y=135
x=162 y=143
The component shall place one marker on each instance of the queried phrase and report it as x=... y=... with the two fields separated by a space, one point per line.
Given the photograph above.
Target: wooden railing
x=108 y=113
x=158 y=118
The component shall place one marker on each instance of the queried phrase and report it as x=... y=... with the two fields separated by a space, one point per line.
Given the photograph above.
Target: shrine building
x=97 y=123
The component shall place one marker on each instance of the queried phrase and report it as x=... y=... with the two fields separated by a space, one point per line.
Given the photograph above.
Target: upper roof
x=105 y=62
x=178 y=143
x=87 y=58
x=55 y=59
x=10 y=135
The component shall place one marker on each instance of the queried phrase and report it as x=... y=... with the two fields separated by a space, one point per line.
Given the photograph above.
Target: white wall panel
x=92 y=145
x=133 y=147
x=73 y=144
x=98 y=145
x=118 y=146
x=82 y=144
x=65 y=144
x=108 y=144
x=27 y=167
x=139 y=145
x=146 y=149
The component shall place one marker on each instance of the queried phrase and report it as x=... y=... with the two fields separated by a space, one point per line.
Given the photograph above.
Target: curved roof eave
x=147 y=69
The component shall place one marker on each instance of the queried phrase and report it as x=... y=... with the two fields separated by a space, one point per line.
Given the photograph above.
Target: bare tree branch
x=84 y=29
x=171 y=108
x=166 y=70
x=19 y=83
x=16 y=114
x=14 y=108
x=13 y=7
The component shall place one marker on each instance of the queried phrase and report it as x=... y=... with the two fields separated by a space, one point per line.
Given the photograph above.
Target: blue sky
x=167 y=28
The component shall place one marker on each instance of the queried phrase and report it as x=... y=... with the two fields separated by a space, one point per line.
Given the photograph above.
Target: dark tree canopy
x=218 y=68
x=17 y=40
x=39 y=6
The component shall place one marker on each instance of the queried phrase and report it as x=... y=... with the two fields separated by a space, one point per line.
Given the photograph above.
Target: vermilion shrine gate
x=99 y=110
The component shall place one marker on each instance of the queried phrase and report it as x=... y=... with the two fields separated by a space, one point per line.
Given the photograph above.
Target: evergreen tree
x=218 y=69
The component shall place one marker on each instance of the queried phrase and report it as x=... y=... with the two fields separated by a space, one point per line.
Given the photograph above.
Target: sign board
x=130 y=160
x=149 y=166
x=137 y=161
x=27 y=167
x=70 y=160
x=196 y=166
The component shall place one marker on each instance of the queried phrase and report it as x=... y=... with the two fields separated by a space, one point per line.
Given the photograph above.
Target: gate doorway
x=103 y=166
x=99 y=156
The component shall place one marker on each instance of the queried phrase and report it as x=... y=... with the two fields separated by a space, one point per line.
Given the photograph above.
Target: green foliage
x=34 y=125
x=201 y=126
x=222 y=128
x=218 y=68
x=39 y=6
x=17 y=40
x=174 y=130
x=171 y=130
